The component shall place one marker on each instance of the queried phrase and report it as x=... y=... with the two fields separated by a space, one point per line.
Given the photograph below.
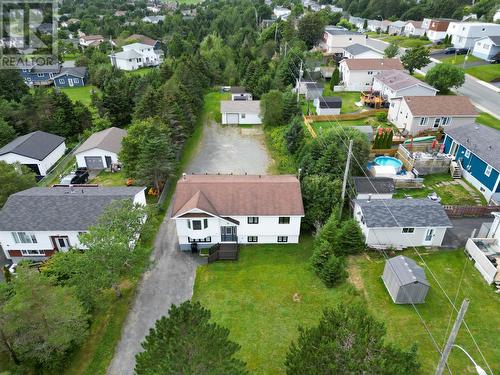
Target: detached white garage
x=240 y=112
x=101 y=149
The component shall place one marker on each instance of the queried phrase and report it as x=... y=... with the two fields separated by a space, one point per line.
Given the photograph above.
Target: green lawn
x=450 y=194
x=485 y=73
x=254 y=298
x=403 y=325
x=348 y=99
x=322 y=126
x=400 y=40
x=83 y=94
x=459 y=59
x=488 y=120
x=139 y=72
x=110 y=179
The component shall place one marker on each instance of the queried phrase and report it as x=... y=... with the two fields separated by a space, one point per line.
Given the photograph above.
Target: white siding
x=244 y=118
x=364 y=55
x=416 y=90
x=465 y=34
x=44 y=165
x=336 y=43
x=374 y=196
x=327 y=111
x=481 y=262
x=80 y=157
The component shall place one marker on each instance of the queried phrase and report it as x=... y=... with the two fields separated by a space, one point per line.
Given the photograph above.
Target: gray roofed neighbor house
x=129 y=54
x=109 y=139
x=337 y=30
x=36 y=145
x=374 y=185
x=407 y=270
x=399 y=213
x=314 y=86
x=399 y=23
x=77 y=71
x=240 y=106
x=357 y=49
x=330 y=102
x=483 y=141
x=57 y=208
x=397 y=80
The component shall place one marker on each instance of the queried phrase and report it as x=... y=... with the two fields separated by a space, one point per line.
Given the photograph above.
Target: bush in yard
x=391 y=51
x=335 y=80
x=295 y=136
x=381 y=116
x=348 y=340
x=271 y=106
x=186 y=342
x=321 y=254
x=328 y=232
x=334 y=271
x=445 y=76
x=350 y=238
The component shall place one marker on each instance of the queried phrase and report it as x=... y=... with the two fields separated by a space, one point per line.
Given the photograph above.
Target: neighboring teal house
x=71 y=77
x=477 y=147
x=57 y=75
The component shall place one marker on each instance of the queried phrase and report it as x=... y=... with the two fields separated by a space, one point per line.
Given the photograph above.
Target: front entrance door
x=70 y=82
x=453 y=148
x=108 y=161
x=429 y=235
x=62 y=243
x=228 y=234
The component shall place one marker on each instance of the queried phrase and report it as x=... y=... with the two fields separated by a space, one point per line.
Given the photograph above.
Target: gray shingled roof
x=330 y=102
x=337 y=30
x=240 y=106
x=109 y=139
x=482 y=140
x=399 y=213
x=397 y=80
x=57 y=208
x=374 y=185
x=36 y=145
x=407 y=270
x=77 y=71
x=129 y=54
x=357 y=49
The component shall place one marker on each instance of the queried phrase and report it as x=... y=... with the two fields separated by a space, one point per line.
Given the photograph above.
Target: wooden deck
x=223 y=251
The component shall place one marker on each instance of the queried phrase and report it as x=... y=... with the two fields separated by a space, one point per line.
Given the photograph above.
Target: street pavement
x=484 y=98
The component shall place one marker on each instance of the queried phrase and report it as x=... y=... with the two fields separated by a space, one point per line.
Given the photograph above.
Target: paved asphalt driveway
x=170 y=279
x=462 y=230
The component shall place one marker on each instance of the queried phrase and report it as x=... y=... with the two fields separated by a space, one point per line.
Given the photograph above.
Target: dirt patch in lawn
x=355 y=277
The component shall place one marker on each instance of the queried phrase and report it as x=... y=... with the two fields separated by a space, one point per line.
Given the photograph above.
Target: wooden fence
x=470 y=211
x=223 y=252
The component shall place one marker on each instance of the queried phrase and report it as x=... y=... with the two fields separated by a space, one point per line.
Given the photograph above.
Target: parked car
x=495 y=59
x=456 y=51
x=449 y=50
x=462 y=51
x=80 y=176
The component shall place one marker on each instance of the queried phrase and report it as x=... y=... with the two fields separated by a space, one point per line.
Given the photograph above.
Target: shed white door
x=232 y=118
x=429 y=235
x=94 y=162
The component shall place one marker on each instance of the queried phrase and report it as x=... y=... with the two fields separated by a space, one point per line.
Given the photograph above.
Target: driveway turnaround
x=457 y=236
x=170 y=279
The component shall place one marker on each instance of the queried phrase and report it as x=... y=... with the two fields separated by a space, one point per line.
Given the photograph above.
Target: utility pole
x=298 y=85
x=452 y=337
x=276 y=32
x=346 y=175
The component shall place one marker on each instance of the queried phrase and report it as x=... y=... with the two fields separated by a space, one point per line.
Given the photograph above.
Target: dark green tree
x=271 y=106
x=335 y=80
x=295 y=136
x=349 y=238
x=186 y=342
x=13 y=86
x=445 y=76
x=365 y=24
x=328 y=231
x=322 y=251
x=415 y=58
x=310 y=29
x=290 y=106
x=320 y=194
x=14 y=177
x=7 y=132
x=333 y=271
x=348 y=340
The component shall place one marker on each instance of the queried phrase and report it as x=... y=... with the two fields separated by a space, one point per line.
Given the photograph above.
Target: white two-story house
x=396 y=83
x=37 y=222
x=336 y=38
x=358 y=74
x=218 y=209
x=465 y=34
x=135 y=56
x=413 y=114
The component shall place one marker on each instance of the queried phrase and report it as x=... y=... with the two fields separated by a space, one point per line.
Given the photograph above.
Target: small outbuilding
x=329 y=105
x=101 y=149
x=405 y=280
x=235 y=112
x=313 y=90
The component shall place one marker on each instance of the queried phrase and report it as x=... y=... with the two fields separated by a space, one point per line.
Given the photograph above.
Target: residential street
x=486 y=99
x=170 y=279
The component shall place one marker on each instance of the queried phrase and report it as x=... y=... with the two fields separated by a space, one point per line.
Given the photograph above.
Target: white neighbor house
x=465 y=34
x=37 y=222
x=357 y=74
x=211 y=209
x=401 y=223
x=413 y=28
x=412 y=114
x=396 y=83
x=484 y=249
x=101 y=149
x=39 y=151
x=360 y=51
x=135 y=56
x=486 y=48
x=336 y=38
x=281 y=13
x=236 y=112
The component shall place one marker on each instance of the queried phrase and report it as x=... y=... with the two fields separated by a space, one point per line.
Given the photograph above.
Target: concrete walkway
x=171 y=277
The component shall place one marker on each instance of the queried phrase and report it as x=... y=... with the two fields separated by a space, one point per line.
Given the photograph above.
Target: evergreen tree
x=186 y=342
x=271 y=106
x=7 y=132
x=335 y=80
x=148 y=104
x=295 y=136
x=14 y=177
x=320 y=194
x=322 y=252
x=334 y=271
x=290 y=106
x=328 y=232
x=350 y=238
x=13 y=86
x=348 y=340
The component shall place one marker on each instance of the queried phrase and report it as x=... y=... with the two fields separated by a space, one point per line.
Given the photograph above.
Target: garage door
x=232 y=118
x=94 y=162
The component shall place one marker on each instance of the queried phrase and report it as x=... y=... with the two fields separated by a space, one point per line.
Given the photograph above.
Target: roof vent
x=184 y=176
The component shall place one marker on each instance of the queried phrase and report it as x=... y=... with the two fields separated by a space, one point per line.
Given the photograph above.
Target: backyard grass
x=348 y=99
x=400 y=40
x=82 y=94
x=404 y=326
x=485 y=73
x=106 y=178
x=488 y=120
x=449 y=194
x=459 y=59
x=320 y=126
x=254 y=298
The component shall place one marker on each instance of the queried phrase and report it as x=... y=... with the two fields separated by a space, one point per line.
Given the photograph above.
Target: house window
x=445 y=121
x=196 y=224
x=33 y=252
x=61 y=80
x=408 y=230
x=253 y=239
x=23 y=237
x=189 y=224
x=205 y=223
x=424 y=121
x=467 y=153
x=206 y=239
x=487 y=171
x=282 y=238
x=370 y=72
x=41 y=75
x=243 y=115
x=253 y=220
x=284 y=220
x=437 y=121
x=75 y=80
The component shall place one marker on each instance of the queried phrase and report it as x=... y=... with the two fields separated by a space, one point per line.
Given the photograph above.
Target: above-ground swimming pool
x=388 y=161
